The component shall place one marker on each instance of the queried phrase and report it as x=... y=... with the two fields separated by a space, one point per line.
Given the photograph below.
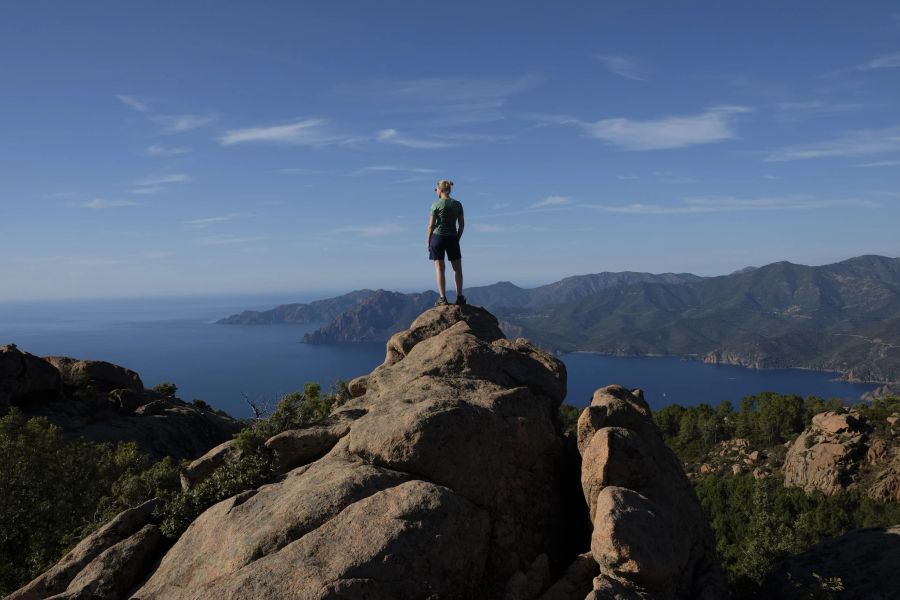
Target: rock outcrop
x=444 y=476
x=25 y=379
x=865 y=562
x=651 y=538
x=105 y=563
x=827 y=456
x=439 y=481
x=107 y=403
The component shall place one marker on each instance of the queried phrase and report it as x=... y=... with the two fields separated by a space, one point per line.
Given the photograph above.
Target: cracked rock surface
x=438 y=480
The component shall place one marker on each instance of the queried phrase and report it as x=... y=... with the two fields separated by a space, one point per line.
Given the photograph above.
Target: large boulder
x=117 y=569
x=827 y=456
x=651 y=538
x=443 y=483
x=865 y=562
x=104 y=402
x=97 y=375
x=25 y=379
x=70 y=567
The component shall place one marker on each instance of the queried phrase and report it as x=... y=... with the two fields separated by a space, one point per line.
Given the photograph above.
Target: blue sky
x=161 y=148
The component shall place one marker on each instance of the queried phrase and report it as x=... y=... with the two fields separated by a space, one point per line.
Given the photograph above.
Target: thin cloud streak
x=182 y=123
x=881 y=163
x=731 y=204
x=100 y=203
x=392 y=169
x=370 y=230
x=133 y=103
x=392 y=136
x=713 y=125
x=552 y=201
x=885 y=61
x=309 y=132
x=157 y=150
x=227 y=240
x=622 y=66
x=212 y=220
x=854 y=143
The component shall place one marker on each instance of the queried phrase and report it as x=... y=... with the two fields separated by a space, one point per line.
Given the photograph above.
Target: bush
x=166 y=388
x=568 y=417
x=294 y=410
x=228 y=480
x=758 y=523
x=201 y=404
x=55 y=490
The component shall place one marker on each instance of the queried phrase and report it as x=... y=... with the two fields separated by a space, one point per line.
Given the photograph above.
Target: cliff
x=446 y=475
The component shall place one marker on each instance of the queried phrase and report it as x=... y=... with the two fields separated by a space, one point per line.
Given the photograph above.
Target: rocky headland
x=104 y=402
x=842 y=318
x=446 y=475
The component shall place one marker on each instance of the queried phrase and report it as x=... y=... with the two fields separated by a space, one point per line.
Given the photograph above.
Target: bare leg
x=457 y=274
x=439 y=276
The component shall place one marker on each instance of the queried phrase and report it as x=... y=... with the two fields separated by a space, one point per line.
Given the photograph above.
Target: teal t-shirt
x=446 y=213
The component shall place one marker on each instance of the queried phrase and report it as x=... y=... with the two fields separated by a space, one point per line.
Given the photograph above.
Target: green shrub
x=228 y=480
x=568 y=417
x=758 y=523
x=201 y=404
x=166 y=388
x=55 y=490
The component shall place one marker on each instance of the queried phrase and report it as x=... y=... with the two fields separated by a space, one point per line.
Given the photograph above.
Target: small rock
x=736 y=469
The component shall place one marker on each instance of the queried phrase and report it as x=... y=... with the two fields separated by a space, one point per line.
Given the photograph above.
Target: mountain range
x=842 y=317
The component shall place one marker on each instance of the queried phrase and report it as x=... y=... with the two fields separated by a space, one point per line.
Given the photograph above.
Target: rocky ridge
x=107 y=403
x=445 y=476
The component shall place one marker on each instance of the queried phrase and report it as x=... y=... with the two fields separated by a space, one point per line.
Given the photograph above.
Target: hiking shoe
x=442 y=301
x=460 y=300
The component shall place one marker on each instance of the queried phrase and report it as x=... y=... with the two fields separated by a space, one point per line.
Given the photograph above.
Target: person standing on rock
x=443 y=238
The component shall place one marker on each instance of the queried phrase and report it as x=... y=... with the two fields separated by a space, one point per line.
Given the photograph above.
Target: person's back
x=443 y=238
x=446 y=212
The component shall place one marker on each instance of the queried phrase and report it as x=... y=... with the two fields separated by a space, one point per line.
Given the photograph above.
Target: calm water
x=175 y=340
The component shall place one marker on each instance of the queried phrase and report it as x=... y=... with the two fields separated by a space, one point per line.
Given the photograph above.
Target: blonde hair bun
x=444 y=185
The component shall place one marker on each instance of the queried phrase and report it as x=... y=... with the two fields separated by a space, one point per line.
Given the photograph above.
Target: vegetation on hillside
x=757 y=523
x=56 y=489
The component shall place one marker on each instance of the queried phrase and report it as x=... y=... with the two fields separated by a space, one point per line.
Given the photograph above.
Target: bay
x=176 y=340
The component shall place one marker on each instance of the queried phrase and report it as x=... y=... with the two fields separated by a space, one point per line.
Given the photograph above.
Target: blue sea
x=176 y=340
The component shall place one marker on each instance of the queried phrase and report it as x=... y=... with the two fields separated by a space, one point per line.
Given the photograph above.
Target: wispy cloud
x=623 y=66
x=159 y=254
x=226 y=240
x=163 y=179
x=392 y=136
x=157 y=150
x=309 y=132
x=713 y=125
x=853 y=143
x=731 y=204
x=552 y=201
x=100 y=203
x=133 y=103
x=392 y=169
x=885 y=61
x=370 y=230
x=206 y=222
x=881 y=163
x=157 y=183
x=182 y=123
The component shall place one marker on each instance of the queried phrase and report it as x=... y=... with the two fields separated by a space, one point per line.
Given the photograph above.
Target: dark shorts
x=444 y=243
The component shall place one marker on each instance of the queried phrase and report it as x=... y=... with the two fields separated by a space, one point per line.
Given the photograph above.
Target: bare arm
x=462 y=225
x=428 y=233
